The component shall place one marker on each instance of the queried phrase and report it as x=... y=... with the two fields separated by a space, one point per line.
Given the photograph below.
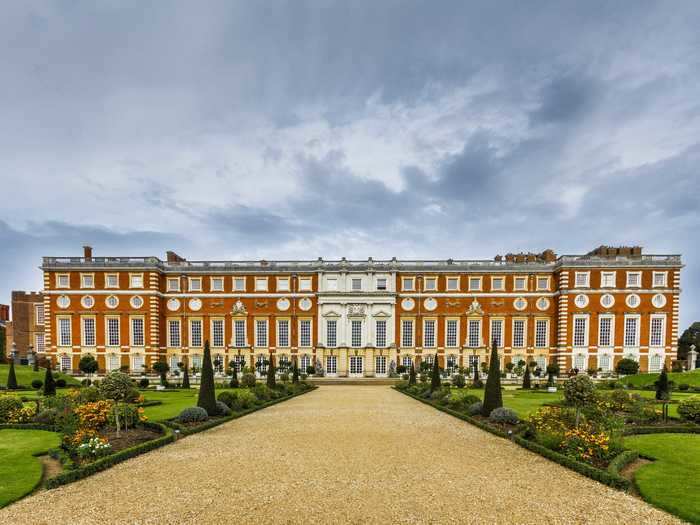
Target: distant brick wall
x=24 y=322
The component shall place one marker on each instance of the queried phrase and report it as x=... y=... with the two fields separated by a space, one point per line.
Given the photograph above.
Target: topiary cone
x=12 y=377
x=492 y=394
x=49 y=383
x=207 y=396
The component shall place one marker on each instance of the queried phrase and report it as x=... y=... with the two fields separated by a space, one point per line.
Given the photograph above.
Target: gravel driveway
x=340 y=454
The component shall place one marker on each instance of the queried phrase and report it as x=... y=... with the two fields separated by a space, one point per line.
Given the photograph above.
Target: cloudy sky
x=303 y=129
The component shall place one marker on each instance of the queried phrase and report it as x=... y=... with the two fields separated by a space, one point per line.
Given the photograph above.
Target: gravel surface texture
x=340 y=454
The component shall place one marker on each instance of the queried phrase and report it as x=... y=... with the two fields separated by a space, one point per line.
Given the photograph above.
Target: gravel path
x=340 y=454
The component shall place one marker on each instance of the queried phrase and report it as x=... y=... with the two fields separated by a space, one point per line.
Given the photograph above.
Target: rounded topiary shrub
x=227 y=398
x=504 y=415
x=143 y=383
x=683 y=386
x=475 y=408
x=248 y=380
x=458 y=381
x=222 y=409
x=9 y=404
x=46 y=417
x=193 y=415
x=262 y=392
x=689 y=409
x=37 y=384
x=61 y=383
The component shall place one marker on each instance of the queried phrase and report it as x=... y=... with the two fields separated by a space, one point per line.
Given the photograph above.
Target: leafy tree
x=12 y=377
x=88 y=364
x=162 y=368
x=49 y=383
x=185 y=376
x=493 y=398
x=691 y=336
x=412 y=375
x=207 y=397
x=526 y=379
x=578 y=392
x=627 y=366
x=271 y=374
x=118 y=387
x=234 y=375
x=295 y=373
x=552 y=371
x=435 y=375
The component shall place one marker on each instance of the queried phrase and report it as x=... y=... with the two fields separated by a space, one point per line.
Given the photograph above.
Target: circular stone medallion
x=112 y=302
x=87 y=301
x=542 y=303
x=173 y=304
x=520 y=304
x=305 y=304
x=430 y=304
x=195 y=305
x=63 y=301
x=408 y=304
x=136 y=302
x=283 y=304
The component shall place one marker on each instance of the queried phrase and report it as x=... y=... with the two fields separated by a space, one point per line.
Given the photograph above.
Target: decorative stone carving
x=239 y=308
x=356 y=309
x=475 y=308
x=260 y=304
x=497 y=302
x=452 y=302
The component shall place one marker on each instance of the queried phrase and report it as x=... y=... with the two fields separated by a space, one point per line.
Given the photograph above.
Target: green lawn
x=640 y=380
x=671 y=482
x=25 y=375
x=20 y=471
x=173 y=403
x=524 y=403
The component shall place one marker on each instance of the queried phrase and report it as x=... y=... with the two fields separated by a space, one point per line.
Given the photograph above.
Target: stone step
x=367 y=381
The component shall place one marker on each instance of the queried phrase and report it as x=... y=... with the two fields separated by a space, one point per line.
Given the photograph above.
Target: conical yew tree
x=186 y=376
x=492 y=394
x=12 y=377
x=271 y=383
x=207 y=397
x=49 y=383
x=412 y=375
x=435 y=375
x=526 y=379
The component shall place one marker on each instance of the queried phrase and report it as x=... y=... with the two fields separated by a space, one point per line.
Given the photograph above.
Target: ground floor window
x=65 y=363
x=114 y=362
x=407 y=361
x=331 y=364
x=380 y=365
x=261 y=364
x=196 y=363
x=451 y=364
x=655 y=363
x=137 y=363
x=604 y=363
x=580 y=362
x=356 y=365
x=174 y=360
x=305 y=363
x=473 y=363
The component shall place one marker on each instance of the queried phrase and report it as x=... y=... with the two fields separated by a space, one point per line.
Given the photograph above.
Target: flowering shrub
x=73 y=441
x=689 y=409
x=95 y=414
x=8 y=404
x=504 y=415
x=22 y=415
x=93 y=448
x=584 y=445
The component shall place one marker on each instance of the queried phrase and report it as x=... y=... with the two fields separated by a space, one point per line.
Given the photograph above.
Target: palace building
x=364 y=318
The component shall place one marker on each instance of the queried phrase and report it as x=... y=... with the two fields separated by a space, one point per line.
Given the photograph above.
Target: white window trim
x=386 y=284
x=512 y=333
x=586 y=331
x=212 y=280
x=82 y=281
x=278 y=321
x=481 y=283
x=453 y=278
x=588 y=280
x=546 y=332
x=119 y=331
x=481 y=333
x=311 y=332
x=167 y=328
x=624 y=331
x=612 y=330
x=190 y=331
x=58 y=331
x=433 y=320
x=223 y=331
x=503 y=331
x=39 y=308
x=352 y=283
x=107 y=276
x=282 y=280
x=267 y=332
x=639 y=280
x=663 y=330
x=261 y=280
x=325 y=327
x=245 y=332
x=413 y=284
x=413 y=333
x=308 y=288
x=191 y=288
x=175 y=280
x=131 y=280
x=432 y=278
x=614 y=279
x=457 y=339
x=537 y=282
x=503 y=282
x=516 y=278
x=83 y=318
x=58 y=280
x=653 y=280
x=143 y=320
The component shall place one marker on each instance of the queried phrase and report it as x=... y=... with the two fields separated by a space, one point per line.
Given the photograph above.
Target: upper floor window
x=356 y=284
x=305 y=335
x=431 y=283
x=452 y=284
x=305 y=284
x=429 y=333
x=332 y=284
x=407 y=283
x=283 y=284
x=87 y=280
x=607 y=279
x=331 y=333
x=381 y=283
x=217 y=284
x=520 y=283
x=634 y=279
x=660 y=279
x=497 y=283
x=239 y=284
x=173 y=284
x=543 y=283
x=380 y=333
x=39 y=314
x=260 y=333
x=112 y=280
x=261 y=286
x=195 y=284
x=582 y=279
x=136 y=280
x=474 y=283
x=407 y=333
x=62 y=280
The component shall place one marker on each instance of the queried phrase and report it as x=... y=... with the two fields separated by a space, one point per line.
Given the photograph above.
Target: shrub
x=458 y=381
x=37 y=384
x=627 y=367
x=683 y=386
x=12 y=377
x=284 y=377
x=9 y=404
x=504 y=415
x=475 y=408
x=60 y=383
x=86 y=382
x=23 y=415
x=89 y=395
x=94 y=415
x=49 y=383
x=88 y=364
x=143 y=383
x=689 y=409
x=248 y=380
x=244 y=399
x=227 y=398
x=47 y=416
x=222 y=409
x=262 y=392
x=193 y=415
x=492 y=395
x=583 y=445
x=578 y=392
x=206 y=398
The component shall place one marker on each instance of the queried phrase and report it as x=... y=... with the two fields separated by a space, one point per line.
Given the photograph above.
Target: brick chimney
x=87 y=252
x=172 y=257
x=4 y=312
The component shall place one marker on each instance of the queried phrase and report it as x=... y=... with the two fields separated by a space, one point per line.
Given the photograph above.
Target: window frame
x=89 y=275
x=107 y=285
x=58 y=281
x=353 y=342
x=108 y=339
x=212 y=322
x=385 y=324
x=539 y=321
x=611 y=330
x=412 y=333
x=190 y=332
x=448 y=321
x=138 y=275
x=217 y=278
x=39 y=314
x=605 y=273
x=354 y=280
x=479 y=279
x=169 y=333
x=433 y=322
x=83 y=332
x=236 y=333
x=628 y=274
x=479 y=335
x=191 y=288
x=501 y=336
x=280 y=287
x=386 y=284
x=311 y=331
x=547 y=286
x=278 y=323
x=662 y=318
x=132 y=340
x=258 y=323
x=587 y=279
x=586 y=328
x=329 y=323
x=303 y=287
x=433 y=279
x=524 y=334
x=412 y=286
x=238 y=279
x=637 y=317
x=171 y=280
x=522 y=278
x=455 y=279
x=261 y=281
x=653 y=279
x=502 y=279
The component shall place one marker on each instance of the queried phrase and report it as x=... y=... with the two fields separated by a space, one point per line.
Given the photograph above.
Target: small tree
x=12 y=377
x=88 y=364
x=578 y=392
x=49 y=383
x=627 y=367
x=116 y=386
x=412 y=375
x=271 y=383
x=295 y=373
x=162 y=368
x=435 y=375
x=35 y=362
x=493 y=398
x=663 y=391
x=526 y=379
x=207 y=396
x=476 y=380
x=185 y=376
x=3 y=352
x=234 y=375
x=552 y=370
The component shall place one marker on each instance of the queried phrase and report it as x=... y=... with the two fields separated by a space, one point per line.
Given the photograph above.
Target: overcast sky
x=303 y=129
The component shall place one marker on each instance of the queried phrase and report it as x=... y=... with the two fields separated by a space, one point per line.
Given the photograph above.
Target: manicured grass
x=671 y=482
x=524 y=403
x=26 y=374
x=679 y=378
x=173 y=402
x=20 y=471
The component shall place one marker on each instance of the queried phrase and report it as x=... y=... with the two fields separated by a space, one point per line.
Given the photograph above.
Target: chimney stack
x=87 y=252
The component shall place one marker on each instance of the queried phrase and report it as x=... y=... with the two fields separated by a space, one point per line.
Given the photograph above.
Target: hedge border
x=29 y=426
x=602 y=476
x=188 y=431
x=620 y=461
x=670 y=429
x=168 y=437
